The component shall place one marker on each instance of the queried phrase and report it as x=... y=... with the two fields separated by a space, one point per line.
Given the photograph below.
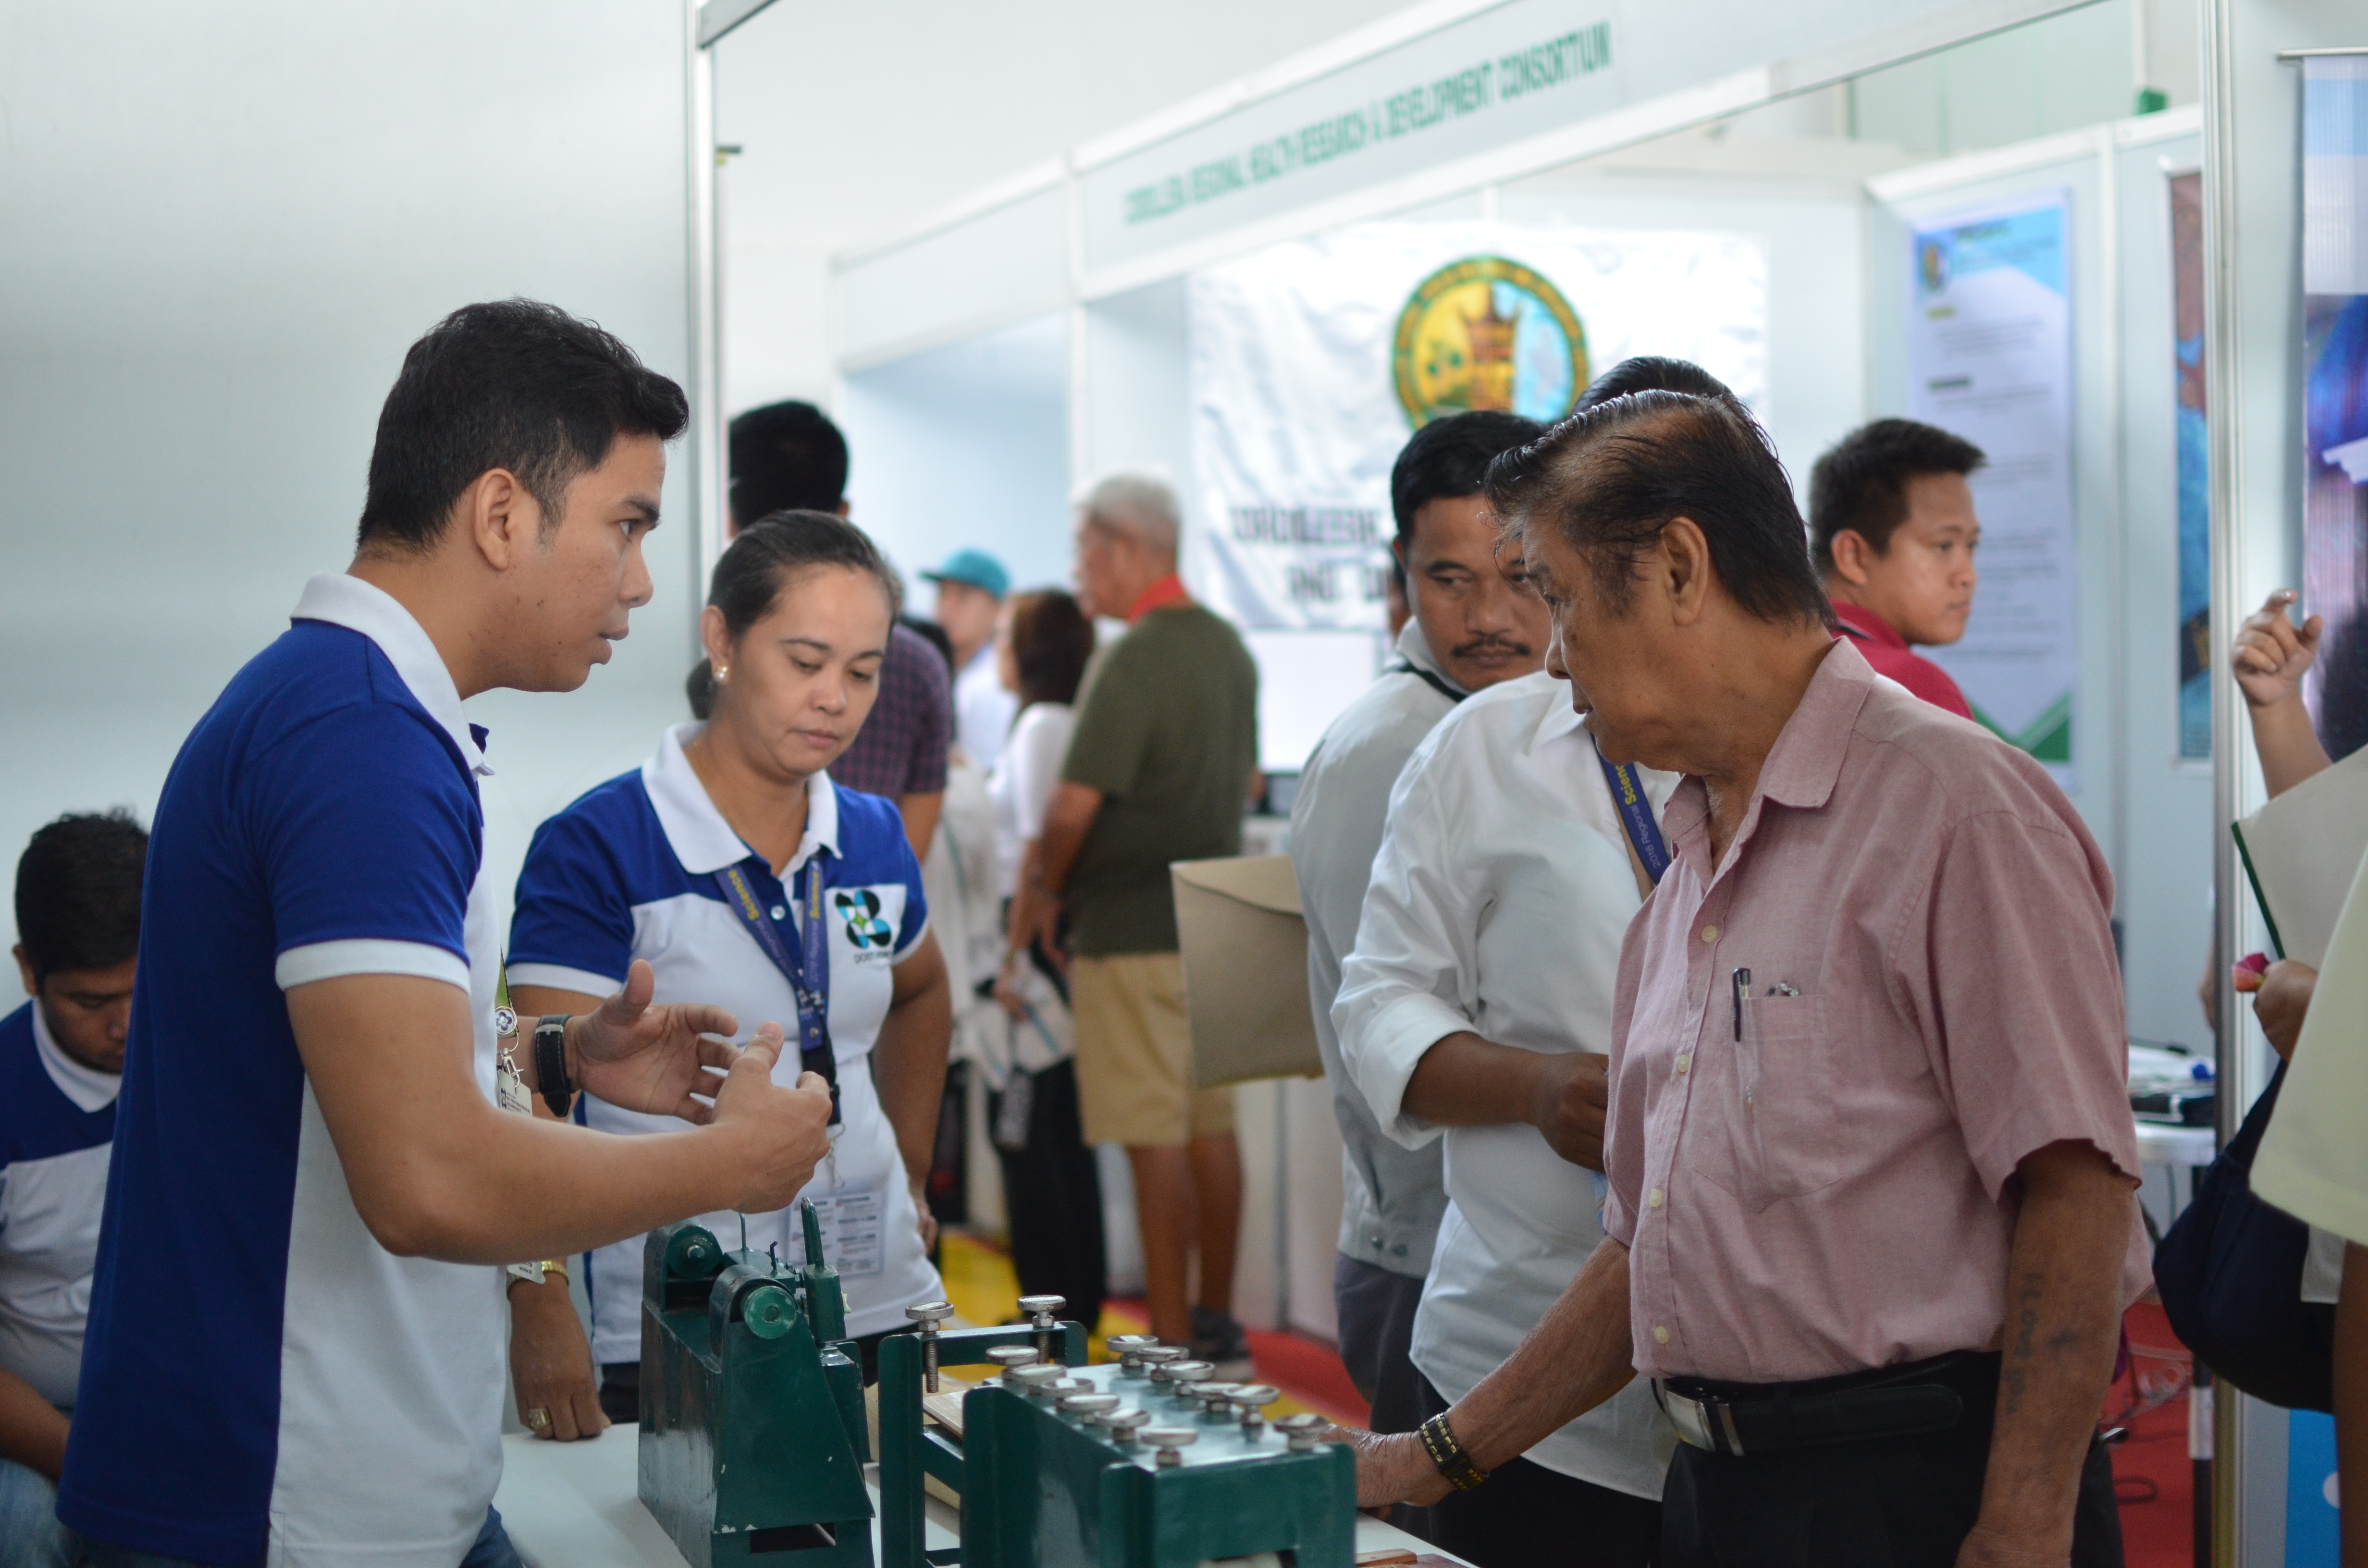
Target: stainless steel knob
x=930 y=1315
x=1044 y=1316
x=1170 y=1442
x=1215 y=1398
x=1007 y=1356
x=1033 y=1378
x=1305 y=1431
x=1123 y=1424
x=1172 y=1377
x=1085 y=1406
x=1128 y=1348
x=1251 y=1399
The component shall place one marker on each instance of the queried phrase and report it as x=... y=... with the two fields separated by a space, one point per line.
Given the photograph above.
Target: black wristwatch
x=550 y=1063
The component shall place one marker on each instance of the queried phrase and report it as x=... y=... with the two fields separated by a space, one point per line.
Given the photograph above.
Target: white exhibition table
x=575 y=1505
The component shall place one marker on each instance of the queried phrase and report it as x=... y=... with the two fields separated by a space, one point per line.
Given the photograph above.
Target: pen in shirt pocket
x=1740 y=981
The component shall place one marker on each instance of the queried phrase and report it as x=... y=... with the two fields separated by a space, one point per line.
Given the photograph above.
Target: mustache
x=1494 y=643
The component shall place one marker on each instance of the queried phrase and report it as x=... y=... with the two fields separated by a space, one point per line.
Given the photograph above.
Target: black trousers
x=1052 y=1197
x=1527 y=1516
x=1376 y=1312
x=1880 y=1503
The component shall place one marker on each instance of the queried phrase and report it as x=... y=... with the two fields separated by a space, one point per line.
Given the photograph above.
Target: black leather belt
x=1892 y=1402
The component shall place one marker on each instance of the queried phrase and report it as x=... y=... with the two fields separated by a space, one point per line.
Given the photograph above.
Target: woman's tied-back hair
x=770 y=554
x=1612 y=476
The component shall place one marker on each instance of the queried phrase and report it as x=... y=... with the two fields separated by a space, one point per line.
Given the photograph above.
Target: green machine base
x=1048 y=1491
x=753 y=1437
x=1045 y=1484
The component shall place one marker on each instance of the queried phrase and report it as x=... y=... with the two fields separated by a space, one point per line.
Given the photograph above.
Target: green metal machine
x=753 y=1436
x=1141 y=1465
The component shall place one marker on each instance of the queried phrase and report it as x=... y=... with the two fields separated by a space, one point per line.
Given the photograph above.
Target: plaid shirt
x=901 y=749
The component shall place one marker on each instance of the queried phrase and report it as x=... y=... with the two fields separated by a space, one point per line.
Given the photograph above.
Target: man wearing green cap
x=971 y=589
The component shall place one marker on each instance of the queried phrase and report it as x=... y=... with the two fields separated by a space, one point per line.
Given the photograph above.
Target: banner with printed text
x=1312 y=362
x=1989 y=358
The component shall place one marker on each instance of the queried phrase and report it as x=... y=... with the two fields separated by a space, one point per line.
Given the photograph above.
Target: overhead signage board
x=1492 y=77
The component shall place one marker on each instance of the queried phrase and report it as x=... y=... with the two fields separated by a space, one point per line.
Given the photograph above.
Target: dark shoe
x=1218 y=1339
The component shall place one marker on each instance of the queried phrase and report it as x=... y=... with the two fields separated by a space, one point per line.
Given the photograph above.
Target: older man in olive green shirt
x=1165 y=746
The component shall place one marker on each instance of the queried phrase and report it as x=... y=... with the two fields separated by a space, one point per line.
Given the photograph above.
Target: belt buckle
x=1707 y=1423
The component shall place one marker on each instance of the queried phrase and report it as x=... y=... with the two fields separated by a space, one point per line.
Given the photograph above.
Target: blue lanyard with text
x=1636 y=816
x=807 y=967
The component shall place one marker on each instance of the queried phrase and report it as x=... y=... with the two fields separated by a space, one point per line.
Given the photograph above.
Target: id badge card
x=854 y=1230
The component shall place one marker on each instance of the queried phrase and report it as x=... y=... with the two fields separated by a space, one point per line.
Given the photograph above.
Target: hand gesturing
x=653 y=1059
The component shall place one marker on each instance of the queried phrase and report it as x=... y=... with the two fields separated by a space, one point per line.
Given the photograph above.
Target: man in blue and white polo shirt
x=294 y=1351
x=60 y=1063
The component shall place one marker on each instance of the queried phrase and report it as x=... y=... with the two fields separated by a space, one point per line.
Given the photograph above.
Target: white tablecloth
x=576 y=1505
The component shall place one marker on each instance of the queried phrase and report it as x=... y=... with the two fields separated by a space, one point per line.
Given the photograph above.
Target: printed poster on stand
x=1989 y=358
x=2335 y=392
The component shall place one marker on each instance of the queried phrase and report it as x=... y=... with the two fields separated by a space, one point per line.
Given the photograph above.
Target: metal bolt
x=1305 y=1431
x=1127 y=1347
x=1044 y=1313
x=1032 y=1377
x=1171 y=1442
x=930 y=1315
x=1173 y=1377
x=1007 y=1356
x=1217 y=1399
x=1251 y=1399
x=1121 y=1424
x=1086 y=1406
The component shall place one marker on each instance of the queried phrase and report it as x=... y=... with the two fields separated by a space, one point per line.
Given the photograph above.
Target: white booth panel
x=1815 y=245
x=1136 y=414
x=2165 y=875
x=966 y=446
x=1006 y=262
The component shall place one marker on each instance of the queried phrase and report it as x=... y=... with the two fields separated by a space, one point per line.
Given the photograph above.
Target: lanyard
x=1636 y=816
x=807 y=966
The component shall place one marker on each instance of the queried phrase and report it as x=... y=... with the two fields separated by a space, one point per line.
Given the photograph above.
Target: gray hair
x=1143 y=504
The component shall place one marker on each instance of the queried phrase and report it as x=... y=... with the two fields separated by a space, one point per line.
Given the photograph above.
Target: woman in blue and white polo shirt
x=714 y=860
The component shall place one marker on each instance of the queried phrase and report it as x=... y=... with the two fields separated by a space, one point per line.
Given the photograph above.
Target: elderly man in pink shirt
x=1871 y=1223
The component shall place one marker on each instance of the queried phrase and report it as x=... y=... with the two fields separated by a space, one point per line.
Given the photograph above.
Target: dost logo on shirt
x=866 y=933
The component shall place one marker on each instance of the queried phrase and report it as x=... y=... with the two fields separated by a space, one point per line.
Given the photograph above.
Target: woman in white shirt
x=1052 y=1192
x=734 y=866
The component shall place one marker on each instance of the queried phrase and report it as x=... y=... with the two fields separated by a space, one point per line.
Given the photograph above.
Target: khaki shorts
x=1134 y=1054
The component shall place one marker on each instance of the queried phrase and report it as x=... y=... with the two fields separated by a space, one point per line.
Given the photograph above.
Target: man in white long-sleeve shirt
x=1477 y=1003
x=1471 y=628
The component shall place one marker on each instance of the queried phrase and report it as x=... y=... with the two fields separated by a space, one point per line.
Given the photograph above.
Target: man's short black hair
x=1654 y=372
x=786 y=457
x=1612 y=477
x=513 y=384
x=1862 y=484
x=78 y=893
x=1447 y=459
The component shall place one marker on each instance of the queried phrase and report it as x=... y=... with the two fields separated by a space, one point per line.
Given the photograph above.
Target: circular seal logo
x=1487 y=332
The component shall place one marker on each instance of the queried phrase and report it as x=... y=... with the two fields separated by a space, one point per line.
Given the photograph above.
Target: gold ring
x=538 y=1418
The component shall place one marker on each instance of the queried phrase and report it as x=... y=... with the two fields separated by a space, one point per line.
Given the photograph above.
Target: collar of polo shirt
x=697 y=831
x=347 y=601
x=87 y=1087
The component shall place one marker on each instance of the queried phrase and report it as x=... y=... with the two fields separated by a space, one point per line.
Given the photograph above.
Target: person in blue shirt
x=61 y=1064
x=734 y=867
x=294 y=1347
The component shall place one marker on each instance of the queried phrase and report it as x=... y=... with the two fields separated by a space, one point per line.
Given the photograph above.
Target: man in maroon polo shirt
x=1871 y=1222
x=1893 y=522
